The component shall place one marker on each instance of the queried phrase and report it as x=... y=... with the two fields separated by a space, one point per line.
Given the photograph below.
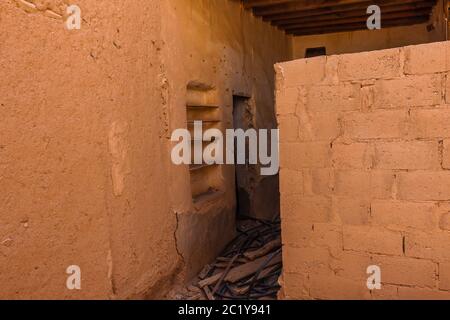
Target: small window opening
x=315 y=52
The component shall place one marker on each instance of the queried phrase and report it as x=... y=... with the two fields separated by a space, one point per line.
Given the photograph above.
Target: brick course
x=365 y=173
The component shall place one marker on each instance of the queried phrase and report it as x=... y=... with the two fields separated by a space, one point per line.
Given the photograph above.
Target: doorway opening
x=244 y=173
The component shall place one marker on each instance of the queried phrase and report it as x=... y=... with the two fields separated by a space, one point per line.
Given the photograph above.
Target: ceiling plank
x=303 y=5
x=357 y=26
x=348 y=12
x=323 y=16
x=360 y=19
x=249 y=4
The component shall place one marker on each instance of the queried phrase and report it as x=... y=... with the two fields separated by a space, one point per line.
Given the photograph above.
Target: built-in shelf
x=196 y=167
x=210 y=195
x=206 y=180
x=202 y=106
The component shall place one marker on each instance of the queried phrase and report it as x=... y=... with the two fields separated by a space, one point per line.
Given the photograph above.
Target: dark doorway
x=315 y=52
x=243 y=119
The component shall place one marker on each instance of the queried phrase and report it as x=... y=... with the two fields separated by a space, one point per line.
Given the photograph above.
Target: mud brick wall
x=365 y=180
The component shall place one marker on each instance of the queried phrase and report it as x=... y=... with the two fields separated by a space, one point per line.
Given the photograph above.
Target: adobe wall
x=219 y=45
x=386 y=38
x=82 y=163
x=365 y=173
x=85 y=172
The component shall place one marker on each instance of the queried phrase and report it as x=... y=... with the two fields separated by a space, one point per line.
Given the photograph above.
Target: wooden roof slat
x=350 y=12
x=323 y=16
x=331 y=10
x=362 y=19
x=342 y=18
x=249 y=4
x=357 y=26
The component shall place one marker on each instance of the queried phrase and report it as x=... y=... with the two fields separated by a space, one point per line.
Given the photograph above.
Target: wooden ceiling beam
x=301 y=5
x=353 y=14
x=360 y=19
x=332 y=9
x=358 y=26
x=301 y=17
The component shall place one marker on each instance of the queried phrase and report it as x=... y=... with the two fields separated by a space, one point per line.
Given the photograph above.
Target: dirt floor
x=249 y=268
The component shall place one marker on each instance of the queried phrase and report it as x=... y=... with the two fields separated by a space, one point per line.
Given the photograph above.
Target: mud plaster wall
x=82 y=161
x=358 y=41
x=218 y=44
x=365 y=173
